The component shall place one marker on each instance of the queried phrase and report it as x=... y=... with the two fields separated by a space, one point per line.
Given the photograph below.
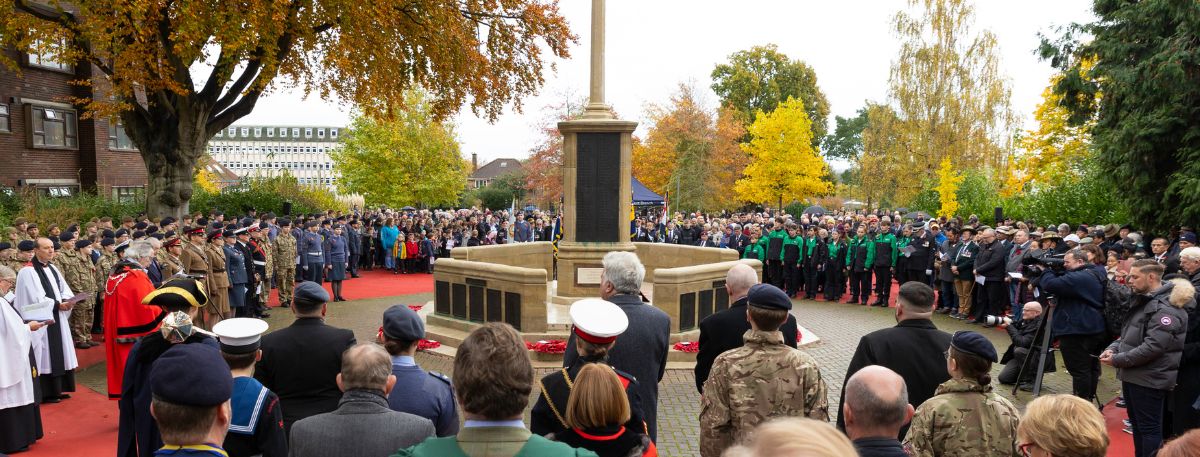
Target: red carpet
x=377 y=283
x=1120 y=444
x=84 y=425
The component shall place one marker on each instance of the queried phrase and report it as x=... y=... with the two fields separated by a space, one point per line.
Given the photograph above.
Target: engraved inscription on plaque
x=598 y=187
x=588 y=276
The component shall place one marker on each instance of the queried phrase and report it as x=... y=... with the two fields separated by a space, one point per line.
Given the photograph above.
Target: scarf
x=54 y=330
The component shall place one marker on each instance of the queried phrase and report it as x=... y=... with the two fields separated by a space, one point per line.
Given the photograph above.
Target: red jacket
x=126 y=319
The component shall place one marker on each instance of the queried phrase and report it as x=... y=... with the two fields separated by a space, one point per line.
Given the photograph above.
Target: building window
x=126 y=194
x=220 y=133
x=320 y=133
x=333 y=133
x=5 y=124
x=57 y=191
x=308 y=133
x=270 y=132
x=283 y=132
x=53 y=127
x=49 y=58
x=245 y=132
x=232 y=132
x=295 y=133
x=118 y=138
x=258 y=131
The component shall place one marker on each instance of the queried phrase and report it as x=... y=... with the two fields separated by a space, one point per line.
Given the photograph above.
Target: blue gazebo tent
x=643 y=196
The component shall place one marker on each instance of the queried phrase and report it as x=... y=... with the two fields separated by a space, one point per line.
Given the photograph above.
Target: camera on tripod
x=1035 y=266
x=996 y=321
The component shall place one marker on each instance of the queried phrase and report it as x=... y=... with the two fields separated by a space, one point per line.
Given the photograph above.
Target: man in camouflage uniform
x=264 y=243
x=762 y=380
x=104 y=266
x=285 y=262
x=965 y=417
x=75 y=261
x=8 y=255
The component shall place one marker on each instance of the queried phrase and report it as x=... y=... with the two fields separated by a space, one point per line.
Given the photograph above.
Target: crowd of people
x=195 y=372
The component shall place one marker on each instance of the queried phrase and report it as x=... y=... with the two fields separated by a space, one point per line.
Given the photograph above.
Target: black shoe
x=264 y=315
x=1026 y=386
x=354 y=275
x=1121 y=403
x=52 y=400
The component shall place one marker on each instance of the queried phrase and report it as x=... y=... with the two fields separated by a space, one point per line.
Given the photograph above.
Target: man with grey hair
x=723 y=331
x=366 y=380
x=642 y=349
x=875 y=407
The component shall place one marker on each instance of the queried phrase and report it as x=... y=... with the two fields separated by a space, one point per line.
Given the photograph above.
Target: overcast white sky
x=654 y=45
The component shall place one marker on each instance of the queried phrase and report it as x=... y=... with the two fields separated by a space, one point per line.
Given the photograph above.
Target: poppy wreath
x=687 y=346
x=425 y=345
x=416 y=308
x=547 y=347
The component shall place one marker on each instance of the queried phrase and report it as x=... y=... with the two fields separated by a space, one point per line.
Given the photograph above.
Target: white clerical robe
x=16 y=377
x=29 y=291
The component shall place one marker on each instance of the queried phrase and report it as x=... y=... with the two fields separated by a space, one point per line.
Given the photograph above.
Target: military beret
x=402 y=323
x=768 y=296
x=5 y=245
x=157 y=236
x=107 y=242
x=178 y=293
x=80 y=244
x=106 y=233
x=310 y=293
x=311 y=224
x=192 y=375
x=166 y=221
x=26 y=245
x=213 y=234
x=120 y=233
x=151 y=229
x=139 y=234
x=66 y=236
x=140 y=226
x=228 y=233
x=263 y=225
x=285 y=222
x=975 y=344
x=1188 y=236
x=246 y=222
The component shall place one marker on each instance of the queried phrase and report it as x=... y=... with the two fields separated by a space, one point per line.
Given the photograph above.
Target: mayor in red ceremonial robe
x=126 y=319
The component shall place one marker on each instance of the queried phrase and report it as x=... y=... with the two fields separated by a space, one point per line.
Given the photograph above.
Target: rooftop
x=496 y=168
x=288 y=133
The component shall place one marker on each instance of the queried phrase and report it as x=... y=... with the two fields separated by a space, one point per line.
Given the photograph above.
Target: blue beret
x=5 y=245
x=192 y=375
x=768 y=296
x=26 y=245
x=311 y=293
x=121 y=233
x=107 y=242
x=402 y=323
x=975 y=344
x=139 y=234
x=1188 y=236
x=140 y=226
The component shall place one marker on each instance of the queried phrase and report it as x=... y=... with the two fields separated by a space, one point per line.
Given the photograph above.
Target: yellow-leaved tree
x=783 y=161
x=1056 y=151
x=947 y=188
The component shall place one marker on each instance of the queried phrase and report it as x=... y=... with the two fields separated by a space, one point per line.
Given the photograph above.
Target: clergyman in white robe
x=56 y=361
x=20 y=417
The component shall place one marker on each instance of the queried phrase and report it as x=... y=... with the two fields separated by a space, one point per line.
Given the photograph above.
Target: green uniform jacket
x=964 y=419
x=886 y=238
x=755 y=251
x=809 y=248
x=492 y=442
x=765 y=241
x=853 y=247
x=793 y=241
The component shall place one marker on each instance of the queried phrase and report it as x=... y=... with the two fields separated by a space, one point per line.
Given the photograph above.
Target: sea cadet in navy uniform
x=312 y=253
x=424 y=393
x=596 y=324
x=256 y=426
x=190 y=379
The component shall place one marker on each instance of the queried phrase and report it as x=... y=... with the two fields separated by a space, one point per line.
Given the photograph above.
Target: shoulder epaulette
x=439 y=376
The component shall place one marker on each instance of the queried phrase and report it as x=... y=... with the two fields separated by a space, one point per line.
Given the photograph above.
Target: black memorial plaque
x=475 y=303
x=458 y=300
x=512 y=309
x=495 y=309
x=598 y=187
x=687 y=311
x=441 y=299
x=706 y=304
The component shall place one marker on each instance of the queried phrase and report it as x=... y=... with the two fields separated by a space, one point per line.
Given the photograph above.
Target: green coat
x=886 y=238
x=755 y=251
x=492 y=442
x=853 y=247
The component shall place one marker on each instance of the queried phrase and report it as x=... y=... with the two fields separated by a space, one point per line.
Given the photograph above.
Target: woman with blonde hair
x=795 y=437
x=1062 y=426
x=597 y=411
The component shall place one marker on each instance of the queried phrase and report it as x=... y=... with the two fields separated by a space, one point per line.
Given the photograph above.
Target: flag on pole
x=666 y=204
x=557 y=233
x=512 y=217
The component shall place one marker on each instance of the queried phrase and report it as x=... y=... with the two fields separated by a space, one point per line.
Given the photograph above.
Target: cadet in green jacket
x=902 y=242
x=754 y=250
x=858 y=262
x=835 y=266
x=884 y=263
x=814 y=259
x=772 y=243
x=791 y=257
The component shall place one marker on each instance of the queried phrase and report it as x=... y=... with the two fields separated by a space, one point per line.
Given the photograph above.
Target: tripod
x=1043 y=334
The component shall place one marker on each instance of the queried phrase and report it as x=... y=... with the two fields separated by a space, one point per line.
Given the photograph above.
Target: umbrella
x=408 y=208
x=815 y=209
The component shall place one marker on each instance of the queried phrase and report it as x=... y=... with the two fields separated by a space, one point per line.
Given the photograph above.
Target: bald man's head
x=739 y=279
x=877 y=398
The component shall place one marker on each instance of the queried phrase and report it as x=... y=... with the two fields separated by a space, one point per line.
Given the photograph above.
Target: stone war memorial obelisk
x=597 y=168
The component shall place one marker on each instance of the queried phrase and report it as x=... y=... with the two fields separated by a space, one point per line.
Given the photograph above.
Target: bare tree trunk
x=169 y=185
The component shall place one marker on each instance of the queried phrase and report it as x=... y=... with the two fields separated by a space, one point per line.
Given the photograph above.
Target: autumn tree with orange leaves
x=543 y=169
x=181 y=71
x=691 y=153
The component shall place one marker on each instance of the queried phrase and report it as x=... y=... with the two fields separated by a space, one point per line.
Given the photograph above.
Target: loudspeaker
x=287 y=208
x=999 y=215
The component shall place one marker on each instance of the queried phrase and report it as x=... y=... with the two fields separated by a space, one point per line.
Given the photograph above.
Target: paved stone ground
x=839 y=325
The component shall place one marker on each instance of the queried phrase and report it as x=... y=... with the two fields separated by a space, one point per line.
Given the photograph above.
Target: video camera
x=1035 y=266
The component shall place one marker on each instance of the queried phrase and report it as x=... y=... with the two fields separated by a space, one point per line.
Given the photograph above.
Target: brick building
x=47 y=144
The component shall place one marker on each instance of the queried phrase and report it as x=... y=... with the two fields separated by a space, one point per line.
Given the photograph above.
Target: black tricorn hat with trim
x=178 y=294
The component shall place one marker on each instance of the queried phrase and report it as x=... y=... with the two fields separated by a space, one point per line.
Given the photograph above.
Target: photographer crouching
x=1078 y=322
x=1024 y=334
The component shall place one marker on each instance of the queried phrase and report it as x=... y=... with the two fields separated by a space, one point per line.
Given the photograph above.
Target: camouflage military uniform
x=80 y=274
x=8 y=258
x=104 y=266
x=285 y=266
x=264 y=296
x=756 y=382
x=964 y=419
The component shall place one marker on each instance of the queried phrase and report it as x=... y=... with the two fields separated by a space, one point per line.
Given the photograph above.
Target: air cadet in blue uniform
x=596 y=324
x=423 y=393
x=239 y=273
x=191 y=376
x=337 y=259
x=256 y=424
x=312 y=253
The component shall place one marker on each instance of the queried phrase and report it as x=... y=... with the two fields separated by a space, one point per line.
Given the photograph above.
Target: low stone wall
x=689 y=294
x=480 y=292
x=539 y=255
x=657 y=256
